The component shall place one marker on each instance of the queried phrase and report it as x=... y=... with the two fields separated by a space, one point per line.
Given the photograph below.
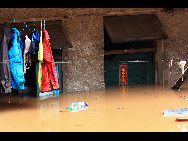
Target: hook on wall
x=14 y=23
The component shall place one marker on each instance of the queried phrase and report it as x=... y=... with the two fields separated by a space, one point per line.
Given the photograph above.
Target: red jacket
x=49 y=80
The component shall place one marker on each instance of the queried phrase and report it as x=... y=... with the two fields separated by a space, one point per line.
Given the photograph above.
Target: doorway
x=140 y=64
x=140 y=68
x=132 y=39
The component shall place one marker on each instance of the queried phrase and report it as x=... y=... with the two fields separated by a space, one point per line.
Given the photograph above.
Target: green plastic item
x=72 y=108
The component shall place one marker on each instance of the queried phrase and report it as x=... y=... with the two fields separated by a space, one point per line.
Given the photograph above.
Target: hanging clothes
x=26 y=50
x=40 y=58
x=34 y=37
x=49 y=80
x=37 y=39
x=5 y=76
x=16 y=60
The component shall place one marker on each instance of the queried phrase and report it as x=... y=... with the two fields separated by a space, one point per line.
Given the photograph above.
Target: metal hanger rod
x=44 y=24
x=41 y=25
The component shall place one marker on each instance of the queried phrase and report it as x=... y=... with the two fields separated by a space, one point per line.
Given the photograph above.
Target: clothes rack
x=62 y=62
x=28 y=26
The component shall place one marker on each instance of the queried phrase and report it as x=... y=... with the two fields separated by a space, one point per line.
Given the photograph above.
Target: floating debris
x=77 y=106
x=120 y=108
x=173 y=112
x=181 y=119
x=98 y=97
x=183 y=96
x=63 y=111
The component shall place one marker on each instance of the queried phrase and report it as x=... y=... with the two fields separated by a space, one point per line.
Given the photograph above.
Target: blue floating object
x=172 y=112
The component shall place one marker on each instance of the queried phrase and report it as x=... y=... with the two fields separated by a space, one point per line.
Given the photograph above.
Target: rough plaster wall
x=86 y=71
x=24 y=13
x=176 y=46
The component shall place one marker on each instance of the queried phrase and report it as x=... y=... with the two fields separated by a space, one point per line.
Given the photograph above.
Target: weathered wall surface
x=176 y=46
x=86 y=71
x=25 y=13
x=85 y=30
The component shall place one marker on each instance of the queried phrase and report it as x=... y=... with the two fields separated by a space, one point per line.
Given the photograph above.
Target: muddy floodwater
x=129 y=108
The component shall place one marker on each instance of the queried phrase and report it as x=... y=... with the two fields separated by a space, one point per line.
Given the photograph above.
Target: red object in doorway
x=49 y=78
x=123 y=73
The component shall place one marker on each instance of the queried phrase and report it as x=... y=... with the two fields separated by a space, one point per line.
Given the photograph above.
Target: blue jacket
x=16 y=60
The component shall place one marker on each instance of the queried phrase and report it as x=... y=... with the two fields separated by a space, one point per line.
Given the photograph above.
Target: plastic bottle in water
x=183 y=96
x=78 y=104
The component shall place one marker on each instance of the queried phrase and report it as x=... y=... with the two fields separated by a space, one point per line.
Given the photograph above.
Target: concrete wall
x=85 y=29
x=86 y=71
x=176 y=46
x=28 y=13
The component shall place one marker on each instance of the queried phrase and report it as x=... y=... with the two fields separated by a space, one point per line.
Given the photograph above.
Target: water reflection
x=123 y=92
x=46 y=95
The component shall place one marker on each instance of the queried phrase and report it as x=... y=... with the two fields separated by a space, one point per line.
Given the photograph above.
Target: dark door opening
x=140 y=64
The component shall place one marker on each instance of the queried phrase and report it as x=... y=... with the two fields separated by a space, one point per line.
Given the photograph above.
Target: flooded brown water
x=127 y=108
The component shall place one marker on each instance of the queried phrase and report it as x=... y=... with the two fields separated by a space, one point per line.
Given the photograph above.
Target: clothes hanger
x=44 y=24
x=34 y=25
x=41 y=25
x=35 y=28
x=14 y=23
x=25 y=28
